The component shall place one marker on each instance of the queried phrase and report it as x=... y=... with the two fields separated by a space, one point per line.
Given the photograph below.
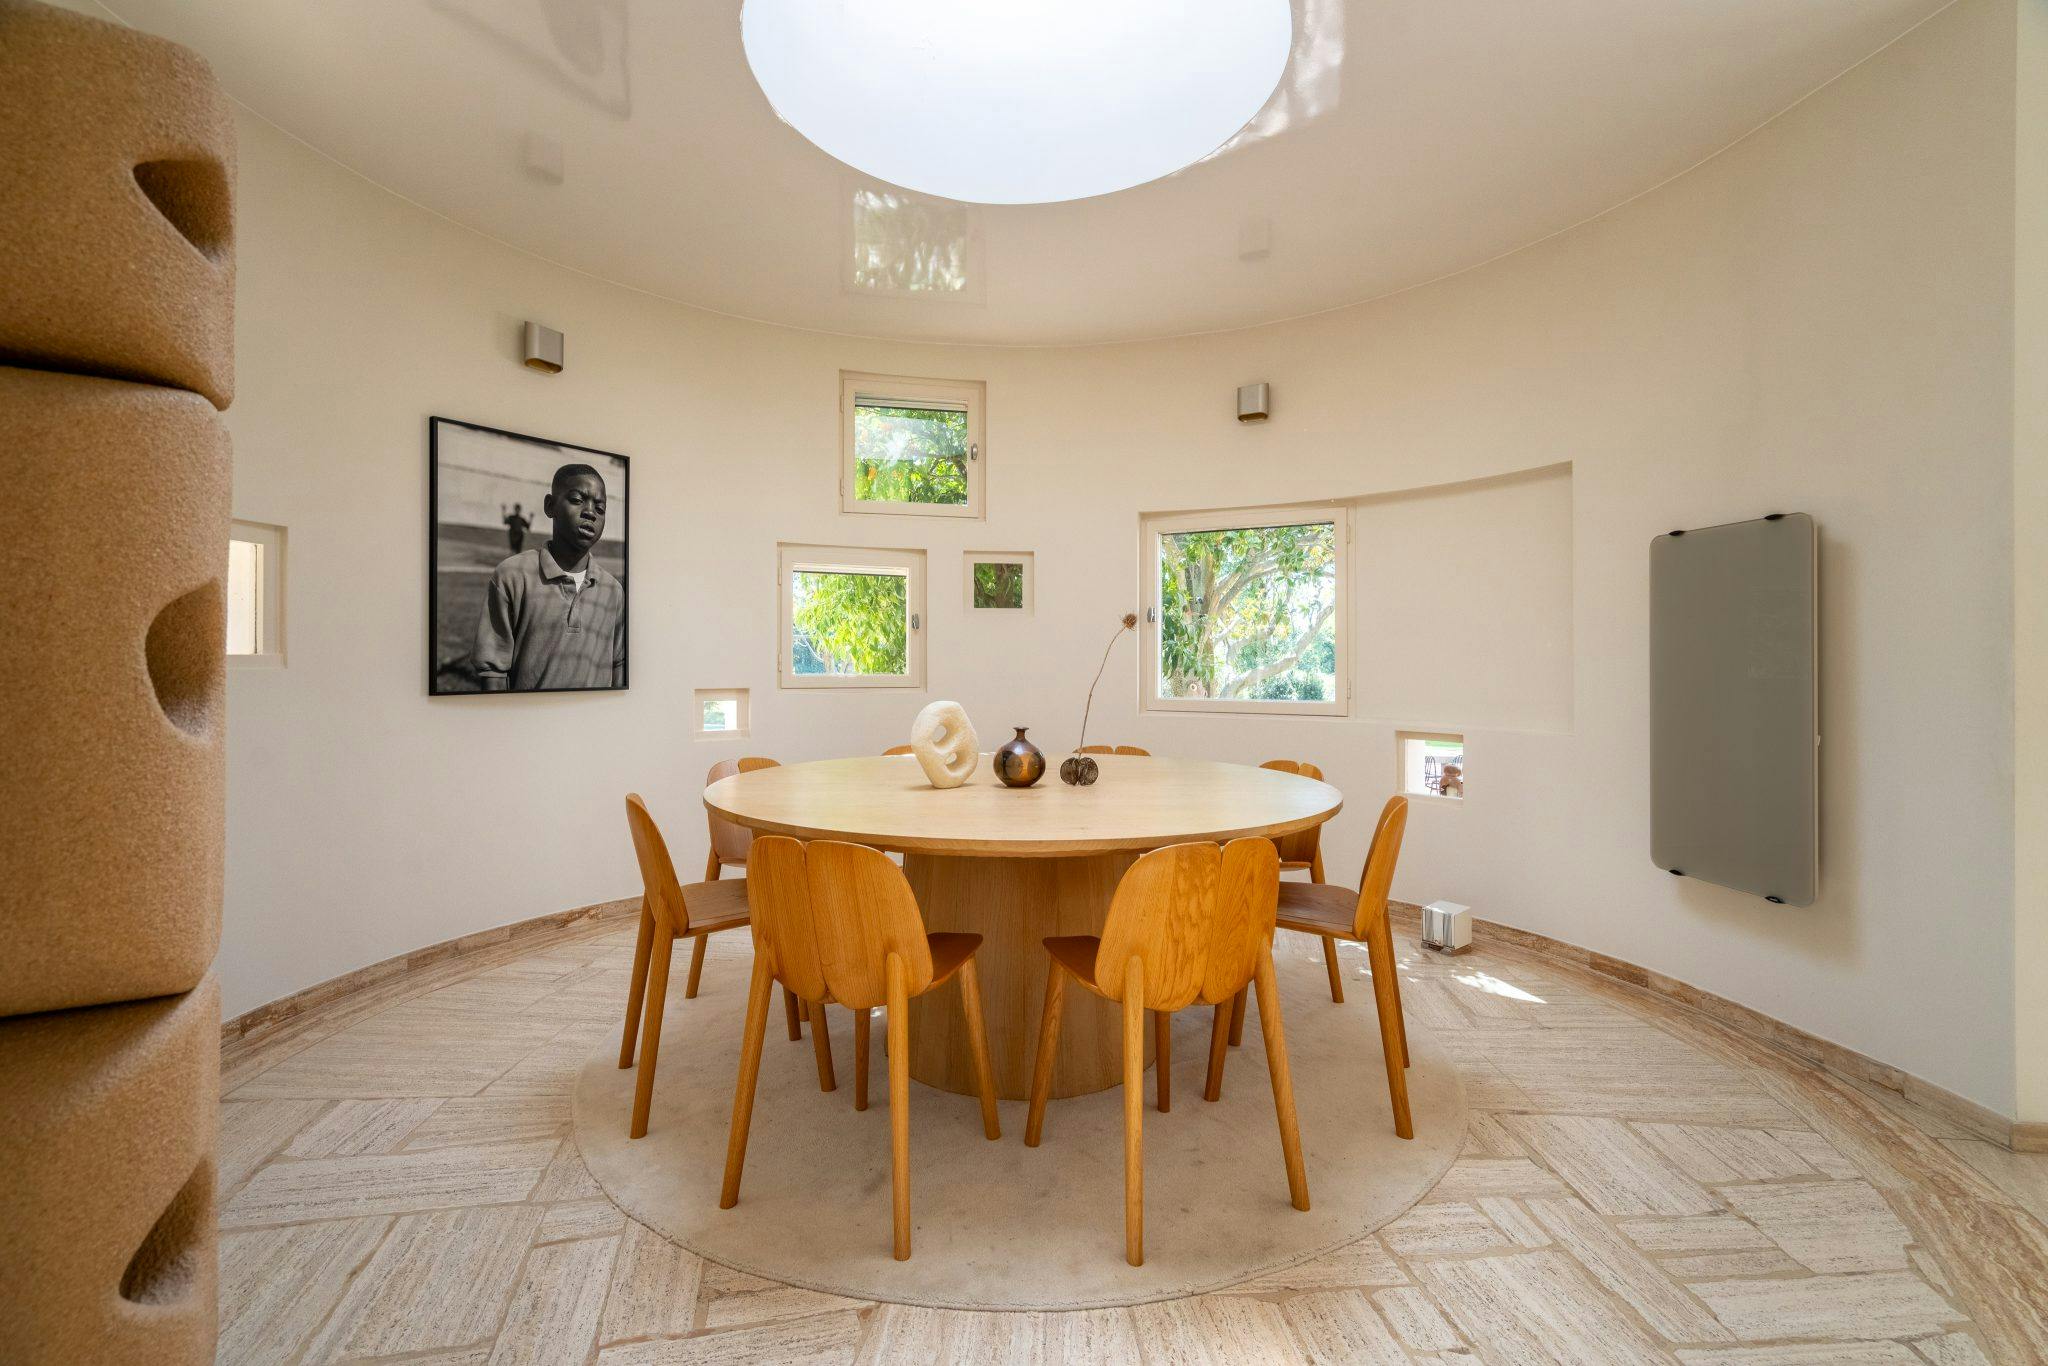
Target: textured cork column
x=116 y=350
x=107 y=1193
x=115 y=678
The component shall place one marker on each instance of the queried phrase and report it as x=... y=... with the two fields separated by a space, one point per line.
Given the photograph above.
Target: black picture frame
x=458 y=557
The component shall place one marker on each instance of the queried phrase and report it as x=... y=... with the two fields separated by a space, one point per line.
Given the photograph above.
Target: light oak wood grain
x=1137 y=804
x=836 y=924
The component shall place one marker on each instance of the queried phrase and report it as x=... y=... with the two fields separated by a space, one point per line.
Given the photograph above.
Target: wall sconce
x=543 y=349
x=1254 y=402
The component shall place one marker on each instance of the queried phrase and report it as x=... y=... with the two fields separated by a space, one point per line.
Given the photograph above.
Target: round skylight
x=1017 y=101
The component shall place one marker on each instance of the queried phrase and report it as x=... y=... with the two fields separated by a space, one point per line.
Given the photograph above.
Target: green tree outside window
x=849 y=623
x=909 y=455
x=1249 y=613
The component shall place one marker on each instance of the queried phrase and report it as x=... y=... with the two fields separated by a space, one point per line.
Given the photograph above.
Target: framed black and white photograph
x=526 y=563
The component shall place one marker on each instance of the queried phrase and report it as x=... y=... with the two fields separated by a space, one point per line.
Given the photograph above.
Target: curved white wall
x=1820 y=319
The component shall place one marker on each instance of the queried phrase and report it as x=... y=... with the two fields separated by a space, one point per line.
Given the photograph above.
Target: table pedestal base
x=1015 y=904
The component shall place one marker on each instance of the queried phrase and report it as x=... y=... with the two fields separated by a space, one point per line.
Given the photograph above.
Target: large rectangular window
x=851 y=617
x=1246 y=611
x=910 y=446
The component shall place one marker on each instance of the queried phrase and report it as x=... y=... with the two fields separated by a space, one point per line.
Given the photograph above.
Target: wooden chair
x=895 y=750
x=1302 y=851
x=1189 y=923
x=1361 y=917
x=1117 y=749
x=730 y=842
x=837 y=923
x=667 y=910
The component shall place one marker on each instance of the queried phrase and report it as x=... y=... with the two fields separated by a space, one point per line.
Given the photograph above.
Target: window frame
x=1152 y=528
x=912 y=392
x=793 y=556
x=270 y=541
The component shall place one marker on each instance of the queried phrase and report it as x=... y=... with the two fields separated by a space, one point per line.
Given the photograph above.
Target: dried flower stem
x=1129 y=622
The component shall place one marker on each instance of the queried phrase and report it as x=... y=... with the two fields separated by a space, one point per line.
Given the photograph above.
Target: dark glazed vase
x=1019 y=763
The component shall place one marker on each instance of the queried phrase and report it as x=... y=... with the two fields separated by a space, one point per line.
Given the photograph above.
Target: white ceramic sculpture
x=945 y=744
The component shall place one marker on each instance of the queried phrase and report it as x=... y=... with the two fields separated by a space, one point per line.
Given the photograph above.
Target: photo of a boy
x=553 y=617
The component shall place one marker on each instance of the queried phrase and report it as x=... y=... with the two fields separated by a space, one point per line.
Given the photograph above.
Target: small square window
x=716 y=713
x=910 y=446
x=999 y=581
x=255 y=592
x=852 y=617
x=1432 y=764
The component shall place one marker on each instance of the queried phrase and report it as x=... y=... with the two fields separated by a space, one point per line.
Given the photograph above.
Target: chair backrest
x=1133 y=749
x=1377 y=880
x=1116 y=749
x=1197 y=916
x=1301 y=846
x=729 y=839
x=1097 y=749
x=826 y=916
x=897 y=749
x=664 y=895
x=1247 y=901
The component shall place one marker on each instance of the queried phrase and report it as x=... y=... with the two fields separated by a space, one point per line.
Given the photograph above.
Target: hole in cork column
x=193 y=196
x=165 y=1269
x=186 y=649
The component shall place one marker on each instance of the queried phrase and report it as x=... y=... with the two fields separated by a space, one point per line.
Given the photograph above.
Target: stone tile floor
x=1638 y=1184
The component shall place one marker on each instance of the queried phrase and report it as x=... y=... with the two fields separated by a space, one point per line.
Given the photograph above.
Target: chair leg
x=1386 y=995
x=977 y=1040
x=1162 y=1057
x=697 y=943
x=899 y=1103
x=1134 y=1112
x=821 y=1041
x=1219 y=1048
x=1315 y=866
x=1386 y=932
x=862 y=1018
x=1275 y=1033
x=1048 y=1044
x=758 y=995
x=1237 y=1019
x=795 y=1014
x=650 y=1027
x=636 y=989
x=712 y=867
x=1336 y=973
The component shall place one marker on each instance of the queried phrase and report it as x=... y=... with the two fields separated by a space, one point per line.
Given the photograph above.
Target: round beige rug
x=999 y=1225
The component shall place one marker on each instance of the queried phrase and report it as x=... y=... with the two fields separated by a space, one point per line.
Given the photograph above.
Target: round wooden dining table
x=1016 y=865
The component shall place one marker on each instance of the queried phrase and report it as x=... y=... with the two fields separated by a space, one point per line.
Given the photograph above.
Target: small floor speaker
x=1446 y=927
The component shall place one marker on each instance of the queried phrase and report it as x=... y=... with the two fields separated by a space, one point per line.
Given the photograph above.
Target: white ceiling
x=1408 y=140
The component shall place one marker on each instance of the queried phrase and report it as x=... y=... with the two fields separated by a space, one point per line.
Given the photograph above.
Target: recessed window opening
x=255 y=595
x=1247 y=611
x=1432 y=764
x=1000 y=581
x=911 y=446
x=719 y=712
x=851 y=617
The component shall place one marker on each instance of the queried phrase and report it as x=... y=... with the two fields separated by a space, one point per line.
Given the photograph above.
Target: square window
x=1247 y=611
x=999 y=582
x=851 y=617
x=1431 y=764
x=910 y=446
x=719 y=712
x=255 y=593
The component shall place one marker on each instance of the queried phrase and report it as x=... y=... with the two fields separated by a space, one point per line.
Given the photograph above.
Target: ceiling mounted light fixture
x=995 y=102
